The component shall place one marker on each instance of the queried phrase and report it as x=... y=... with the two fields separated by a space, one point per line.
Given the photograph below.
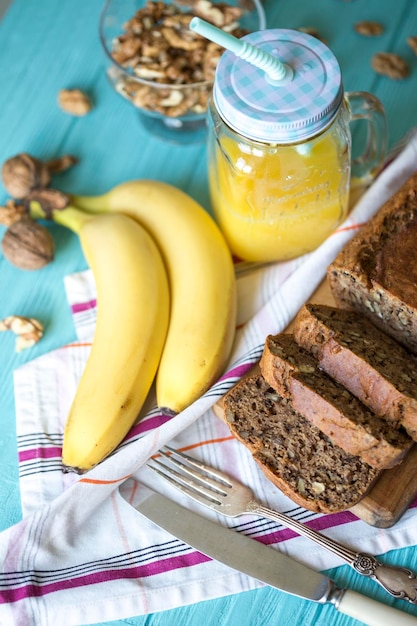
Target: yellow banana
x=202 y=282
x=132 y=322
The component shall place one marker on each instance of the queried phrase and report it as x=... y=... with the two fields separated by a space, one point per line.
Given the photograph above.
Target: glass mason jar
x=279 y=155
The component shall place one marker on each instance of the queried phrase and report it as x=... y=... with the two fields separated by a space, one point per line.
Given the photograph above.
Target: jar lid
x=286 y=112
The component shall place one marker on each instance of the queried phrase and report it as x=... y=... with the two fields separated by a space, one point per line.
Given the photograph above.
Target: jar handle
x=365 y=106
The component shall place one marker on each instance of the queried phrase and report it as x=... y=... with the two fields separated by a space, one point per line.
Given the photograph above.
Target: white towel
x=82 y=553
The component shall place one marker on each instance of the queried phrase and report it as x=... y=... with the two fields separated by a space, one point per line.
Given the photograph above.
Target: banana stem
x=92 y=204
x=70 y=217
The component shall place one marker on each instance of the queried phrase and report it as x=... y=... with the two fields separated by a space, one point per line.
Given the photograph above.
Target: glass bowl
x=164 y=69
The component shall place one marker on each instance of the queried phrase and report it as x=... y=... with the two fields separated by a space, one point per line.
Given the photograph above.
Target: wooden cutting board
x=396 y=488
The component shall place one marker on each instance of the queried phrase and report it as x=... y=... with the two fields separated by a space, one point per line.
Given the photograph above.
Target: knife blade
x=264 y=563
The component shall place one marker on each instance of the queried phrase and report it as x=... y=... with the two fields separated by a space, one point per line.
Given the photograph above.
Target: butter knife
x=266 y=564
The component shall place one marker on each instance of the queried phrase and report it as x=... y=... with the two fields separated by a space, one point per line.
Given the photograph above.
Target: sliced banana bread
x=294 y=455
x=282 y=358
x=369 y=363
x=348 y=423
x=376 y=272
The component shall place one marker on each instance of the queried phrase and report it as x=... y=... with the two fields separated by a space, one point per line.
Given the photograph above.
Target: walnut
x=74 y=102
x=28 y=245
x=214 y=52
x=174 y=98
x=220 y=14
x=24 y=172
x=28 y=330
x=11 y=212
x=179 y=40
x=369 y=29
x=390 y=64
x=306 y=369
x=158 y=46
x=318 y=487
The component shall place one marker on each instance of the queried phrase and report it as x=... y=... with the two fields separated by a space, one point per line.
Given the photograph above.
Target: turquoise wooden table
x=47 y=46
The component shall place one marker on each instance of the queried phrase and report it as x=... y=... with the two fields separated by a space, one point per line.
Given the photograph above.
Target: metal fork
x=220 y=492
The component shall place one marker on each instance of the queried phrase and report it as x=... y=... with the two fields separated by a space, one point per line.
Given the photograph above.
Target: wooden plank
x=391 y=495
x=395 y=489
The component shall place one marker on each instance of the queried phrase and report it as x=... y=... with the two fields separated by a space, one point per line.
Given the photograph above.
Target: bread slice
x=348 y=423
x=366 y=361
x=376 y=272
x=293 y=454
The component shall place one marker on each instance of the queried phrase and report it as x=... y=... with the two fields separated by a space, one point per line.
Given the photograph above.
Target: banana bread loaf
x=294 y=455
x=376 y=272
x=348 y=423
x=366 y=361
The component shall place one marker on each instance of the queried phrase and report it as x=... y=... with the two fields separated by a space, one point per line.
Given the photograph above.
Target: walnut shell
x=23 y=173
x=28 y=245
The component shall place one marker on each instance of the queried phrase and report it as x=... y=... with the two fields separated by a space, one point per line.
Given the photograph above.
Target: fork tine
x=184 y=484
x=196 y=473
x=190 y=460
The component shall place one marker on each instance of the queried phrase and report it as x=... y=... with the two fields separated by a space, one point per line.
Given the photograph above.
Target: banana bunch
x=202 y=284
x=166 y=299
x=132 y=323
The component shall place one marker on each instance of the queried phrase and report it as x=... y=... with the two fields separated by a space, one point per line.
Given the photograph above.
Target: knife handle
x=372 y=612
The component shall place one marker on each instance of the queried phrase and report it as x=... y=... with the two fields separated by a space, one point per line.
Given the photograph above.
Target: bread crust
x=367 y=362
x=376 y=272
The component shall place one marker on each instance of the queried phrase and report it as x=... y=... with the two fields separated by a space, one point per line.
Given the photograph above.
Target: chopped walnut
x=12 y=212
x=390 y=64
x=157 y=45
x=301 y=486
x=206 y=10
x=28 y=330
x=318 y=487
x=184 y=40
x=74 y=102
x=369 y=29
x=214 y=52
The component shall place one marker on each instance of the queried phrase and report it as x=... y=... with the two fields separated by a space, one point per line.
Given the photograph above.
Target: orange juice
x=278 y=202
x=279 y=144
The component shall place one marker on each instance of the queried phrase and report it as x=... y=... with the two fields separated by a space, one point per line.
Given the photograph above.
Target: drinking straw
x=276 y=71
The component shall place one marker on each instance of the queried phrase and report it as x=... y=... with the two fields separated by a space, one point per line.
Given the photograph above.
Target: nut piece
x=306 y=369
x=158 y=46
x=318 y=487
x=27 y=329
x=61 y=164
x=412 y=42
x=49 y=200
x=22 y=173
x=28 y=245
x=12 y=212
x=74 y=102
x=390 y=64
x=301 y=486
x=369 y=29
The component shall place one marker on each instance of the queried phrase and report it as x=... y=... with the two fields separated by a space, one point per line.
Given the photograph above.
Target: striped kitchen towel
x=82 y=553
